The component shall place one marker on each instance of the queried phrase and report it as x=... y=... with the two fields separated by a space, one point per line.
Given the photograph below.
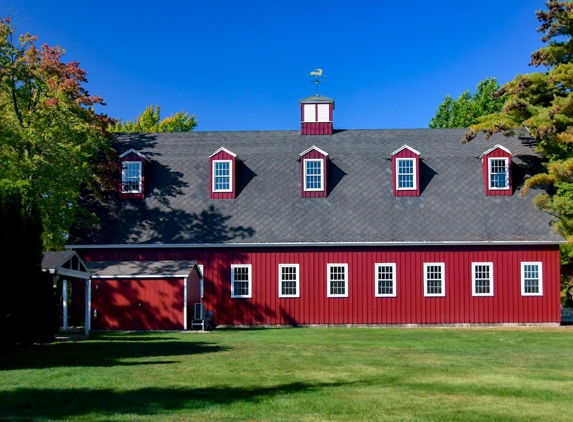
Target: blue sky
x=244 y=65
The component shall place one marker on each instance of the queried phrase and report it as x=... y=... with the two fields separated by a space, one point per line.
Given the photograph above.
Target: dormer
x=313 y=173
x=133 y=170
x=222 y=172
x=496 y=166
x=406 y=171
x=316 y=115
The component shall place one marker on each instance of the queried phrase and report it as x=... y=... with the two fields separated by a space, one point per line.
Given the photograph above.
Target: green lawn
x=308 y=374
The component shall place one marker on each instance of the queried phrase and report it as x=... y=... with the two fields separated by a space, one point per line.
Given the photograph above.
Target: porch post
x=65 y=303
x=185 y=303
x=88 y=306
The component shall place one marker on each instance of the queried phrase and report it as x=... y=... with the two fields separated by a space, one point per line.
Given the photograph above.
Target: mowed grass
x=303 y=374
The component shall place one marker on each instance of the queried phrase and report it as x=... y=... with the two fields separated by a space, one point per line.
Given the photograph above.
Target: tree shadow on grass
x=29 y=403
x=117 y=352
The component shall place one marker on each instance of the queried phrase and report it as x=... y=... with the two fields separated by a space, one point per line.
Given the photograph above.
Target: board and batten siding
x=410 y=306
x=406 y=153
x=223 y=155
x=497 y=153
x=313 y=154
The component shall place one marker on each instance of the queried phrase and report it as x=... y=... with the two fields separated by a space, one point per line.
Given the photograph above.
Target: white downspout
x=185 y=303
x=88 y=306
x=65 y=304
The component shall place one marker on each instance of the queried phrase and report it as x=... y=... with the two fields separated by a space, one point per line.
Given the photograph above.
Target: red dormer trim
x=222 y=174
x=313 y=173
x=406 y=171
x=496 y=168
x=133 y=162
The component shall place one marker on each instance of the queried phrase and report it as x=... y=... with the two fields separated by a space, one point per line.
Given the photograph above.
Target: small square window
x=482 y=279
x=337 y=280
x=498 y=173
x=288 y=280
x=405 y=174
x=434 y=279
x=531 y=279
x=131 y=177
x=241 y=281
x=222 y=176
x=313 y=175
x=385 y=280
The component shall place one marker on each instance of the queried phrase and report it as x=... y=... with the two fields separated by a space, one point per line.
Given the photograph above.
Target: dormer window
x=223 y=165
x=222 y=175
x=496 y=166
x=131 y=177
x=405 y=169
x=314 y=166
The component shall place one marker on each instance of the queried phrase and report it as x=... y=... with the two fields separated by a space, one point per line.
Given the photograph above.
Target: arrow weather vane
x=318 y=78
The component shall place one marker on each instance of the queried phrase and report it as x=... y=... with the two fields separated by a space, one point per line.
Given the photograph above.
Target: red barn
x=323 y=226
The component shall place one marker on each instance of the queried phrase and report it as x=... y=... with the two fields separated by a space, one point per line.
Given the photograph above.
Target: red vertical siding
x=223 y=155
x=406 y=153
x=496 y=153
x=410 y=306
x=315 y=155
x=132 y=156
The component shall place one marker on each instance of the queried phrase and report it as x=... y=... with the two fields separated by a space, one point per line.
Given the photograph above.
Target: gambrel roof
x=359 y=209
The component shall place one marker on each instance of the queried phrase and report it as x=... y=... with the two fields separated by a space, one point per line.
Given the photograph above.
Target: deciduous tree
x=150 y=121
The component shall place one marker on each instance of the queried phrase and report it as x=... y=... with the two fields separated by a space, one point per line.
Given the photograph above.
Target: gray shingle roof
x=51 y=260
x=140 y=268
x=360 y=206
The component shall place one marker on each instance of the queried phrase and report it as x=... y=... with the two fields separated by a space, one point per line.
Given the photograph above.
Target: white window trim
x=140 y=177
x=414 y=174
x=322 y=164
x=297 y=281
x=540 y=265
x=328 y=266
x=474 y=265
x=320 y=108
x=382 y=264
x=489 y=172
x=250 y=281
x=443 y=271
x=201 y=268
x=214 y=189
x=308 y=115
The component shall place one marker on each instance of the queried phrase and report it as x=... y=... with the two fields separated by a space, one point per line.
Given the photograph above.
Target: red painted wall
x=137 y=304
x=315 y=128
x=132 y=156
x=223 y=155
x=361 y=306
x=315 y=155
x=406 y=153
x=498 y=152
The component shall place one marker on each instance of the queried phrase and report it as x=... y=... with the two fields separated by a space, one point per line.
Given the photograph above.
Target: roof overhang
x=494 y=148
x=225 y=150
x=142 y=269
x=315 y=148
x=403 y=147
x=129 y=151
x=65 y=263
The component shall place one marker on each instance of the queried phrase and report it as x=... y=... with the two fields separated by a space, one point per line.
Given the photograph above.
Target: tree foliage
x=50 y=135
x=465 y=110
x=28 y=310
x=150 y=121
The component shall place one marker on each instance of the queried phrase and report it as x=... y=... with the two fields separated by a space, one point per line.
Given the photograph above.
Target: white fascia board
x=223 y=149
x=135 y=152
x=95 y=276
x=494 y=148
x=316 y=244
x=72 y=273
x=403 y=148
x=306 y=151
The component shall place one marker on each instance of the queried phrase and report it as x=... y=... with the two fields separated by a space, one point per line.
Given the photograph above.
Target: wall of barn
x=410 y=306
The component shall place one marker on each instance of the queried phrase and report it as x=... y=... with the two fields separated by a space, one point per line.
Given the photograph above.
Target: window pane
x=482 y=279
x=385 y=280
x=498 y=174
x=313 y=174
x=337 y=280
x=434 y=279
x=531 y=278
x=241 y=281
x=405 y=173
x=222 y=175
x=288 y=280
x=131 y=177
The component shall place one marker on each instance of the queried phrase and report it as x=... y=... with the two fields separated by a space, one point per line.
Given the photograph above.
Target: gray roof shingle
x=360 y=206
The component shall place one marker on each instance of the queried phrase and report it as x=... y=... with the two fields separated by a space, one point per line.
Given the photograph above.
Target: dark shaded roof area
x=51 y=260
x=360 y=206
x=140 y=268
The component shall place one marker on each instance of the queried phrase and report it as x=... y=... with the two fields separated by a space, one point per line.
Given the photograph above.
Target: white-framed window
x=201 y=267
x=498 y=171
x=131 y=177
x=337 y=280
x=309 y=112
x=222 y=176
x=385 y=280
x=482 y=278
x=289 y=280
x=323 y=113
x=405 y=174
x=434 y=279
x=531 y=279
x=313 y=175
x=241 y=280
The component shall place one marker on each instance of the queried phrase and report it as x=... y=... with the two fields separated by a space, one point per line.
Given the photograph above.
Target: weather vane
x=318 y=78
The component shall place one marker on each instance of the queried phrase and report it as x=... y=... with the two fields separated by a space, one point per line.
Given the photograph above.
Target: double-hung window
x=498 y=173
x=241 y=278
x=337 y=280
x=222 y=176
x=434 y=279
x=288 y=280
x=482 y=279
x=531 y=279
x=385 y=280
x=313 y=175
x=131 y=177
x=405 y=174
